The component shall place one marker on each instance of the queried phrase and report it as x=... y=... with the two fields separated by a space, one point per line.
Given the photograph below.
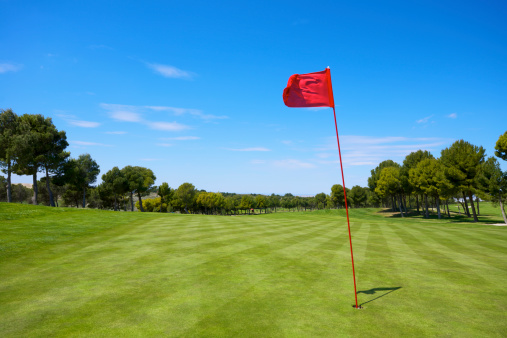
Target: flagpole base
x=359 y=307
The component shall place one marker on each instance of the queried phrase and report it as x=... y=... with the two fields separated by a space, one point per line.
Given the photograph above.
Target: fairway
x=88 y=272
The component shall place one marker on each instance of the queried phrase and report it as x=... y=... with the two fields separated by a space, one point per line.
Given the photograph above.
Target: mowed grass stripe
x=450 y=244
x=141 y=251
x=443 y=261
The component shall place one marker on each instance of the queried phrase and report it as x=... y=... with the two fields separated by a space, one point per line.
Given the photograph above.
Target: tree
x=274 y=201
x=462 y=162
x=429 y=178
x=261 y=202
x=140 y=180
x=375 y=173
x=165 y=192
x=246 y=202
x=31 y=146
x=115 y=182
x=3 y=188
x=501 y=147
x=357 y=196
x=494 y=183
x=186 y=193
x=9 y=123
x=53 y=155
x=389 y=184
x=410 y=162
x=320 y=200
x=87 y=171
x=337 y=195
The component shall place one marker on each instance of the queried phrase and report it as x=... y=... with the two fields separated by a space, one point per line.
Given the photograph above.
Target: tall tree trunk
x=503 y=211
x=9 y=186
x=131 y=201
x=438 y=208
x=417 y=202
x=467 y=212
x=427 y=211
x=51 y=199
x=409 y=201
x=478 y=210
x=84 y=198
x=401 y=211
x=447 y=205
x=140 y=202
x=392 y=201
x=35 y=189
x=473 y=206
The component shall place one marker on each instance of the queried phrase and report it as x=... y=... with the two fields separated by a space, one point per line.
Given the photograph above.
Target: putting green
x=88 y=272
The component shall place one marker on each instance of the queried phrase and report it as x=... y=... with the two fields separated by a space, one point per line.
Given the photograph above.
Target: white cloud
x=164 y=144
x=452 y=116
x=84 y=124
x=169 y=126
x=9 y=67
x=425 y=119
x=250 y=149
x=170 y=71
x=293 y=164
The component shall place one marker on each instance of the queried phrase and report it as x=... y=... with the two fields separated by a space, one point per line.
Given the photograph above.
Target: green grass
x=68 y=272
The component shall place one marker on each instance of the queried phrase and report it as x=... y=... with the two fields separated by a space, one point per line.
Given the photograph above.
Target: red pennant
x=309 y=90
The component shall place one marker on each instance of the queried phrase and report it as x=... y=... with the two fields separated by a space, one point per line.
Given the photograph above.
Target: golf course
x=75 y=272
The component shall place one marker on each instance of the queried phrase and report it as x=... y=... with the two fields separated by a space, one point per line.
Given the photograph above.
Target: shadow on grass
x=455 y=216
x=379 y=290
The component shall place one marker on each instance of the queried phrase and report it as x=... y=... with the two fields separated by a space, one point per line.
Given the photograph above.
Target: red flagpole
x=330 y=89
x=346 y=209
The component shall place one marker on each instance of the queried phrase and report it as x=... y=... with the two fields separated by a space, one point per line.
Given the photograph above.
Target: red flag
x=309 y=90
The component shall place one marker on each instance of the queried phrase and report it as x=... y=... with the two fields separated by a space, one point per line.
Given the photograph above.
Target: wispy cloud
x=170 y=71
x=452 y=116
x=164 y=144
x=367 y=150
x=116 y=132
x=181 y=138
x=84 y=143
x=84 y=124
x=186 y=111
x=250 y=149
x=293 y=164
x=73 y=120
x=127 y=113
x=169 y=126
x=9 y=67
x=121 y=112
x=425 y=119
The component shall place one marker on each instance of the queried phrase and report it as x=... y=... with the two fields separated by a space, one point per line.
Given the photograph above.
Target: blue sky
x=193 y=90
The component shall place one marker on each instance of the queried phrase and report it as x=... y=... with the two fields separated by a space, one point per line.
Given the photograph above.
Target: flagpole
x=346 y=207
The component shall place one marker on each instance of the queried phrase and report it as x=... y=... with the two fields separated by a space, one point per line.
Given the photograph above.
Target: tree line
x=462 y=173
x=31 y=144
